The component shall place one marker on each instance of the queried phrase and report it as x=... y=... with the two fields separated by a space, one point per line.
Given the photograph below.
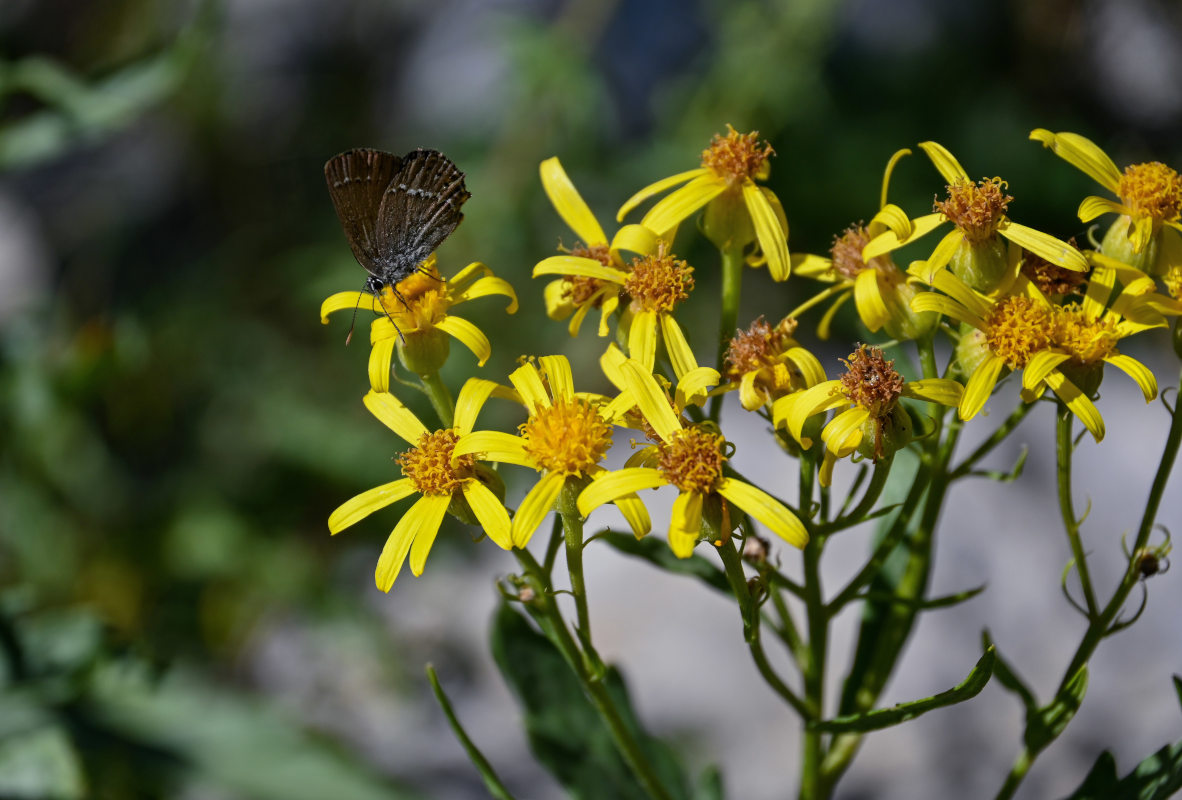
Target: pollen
x=871 y=382
x=596 y=252
x=431 y=466
x=420 y=302
x=846 y=254
x=1017 y=328
x=1051 y=279
x=1087 y=340
x=737 y=157
x=976 y=208
x=569 y=437
x=659 y=282
x=1151 y=190
x=759 y=346
x=693 y=460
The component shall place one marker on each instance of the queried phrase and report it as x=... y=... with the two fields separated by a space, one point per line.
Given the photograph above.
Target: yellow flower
x=431 y=470
x=565 y=438
x=978 y=214
x=575 y=292
x=421 y=306
x=726 y=180
x=1147 y=233
x=766 y=363
x=882 y=292
x=692 y=388
x=870 y=421
x=1059 y=347
x=689 y=457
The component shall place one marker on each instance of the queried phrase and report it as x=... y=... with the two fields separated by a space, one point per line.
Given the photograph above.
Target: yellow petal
x=1042 y=244
x=1079 y=404
x=683 y=202
x=490 y=286
x=750 y=397
x=795 y=412
x=930 y=301
x=422 y=520
x=886 y=174
x=868 y=299
x=656 y=188
x=534 y=507
x=1138 y=372
x=382 y=329
x=980 y=386
x=677 y=347
x=642 y=338
x=569 y=204
x=358 y=508
x=694 y=385
x=494 y=519
x=612 y=362
x=1039 y=366
x=825 y=473
x=528 y=383
x=558 y=302
x=558 y=375
x=1142 y=233
x=808 y=365
x=1082 y=154
x=827 y=318
x=468 y=335
x=685 y=524
x=887 y=241
x=473 y=395
x=891 y=218
x=493 y=446
x=346 y=301
x=473 y=270
x=843 y=434
x=1093 y=207
x=650 y=399
x=765 y=509
x=608 y=486
x=773 y=241
x=392 y=413
x=577 y=265
x=808 y=265
x=607 y=309
x=634 y=239
x=962 y=293
x=936 y=390
x=380 y=356
x=944 y=162
x=943 y=253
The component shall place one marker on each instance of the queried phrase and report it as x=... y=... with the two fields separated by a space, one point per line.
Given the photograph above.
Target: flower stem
x=441 y=400
x=572 y=529
x=1064 y=448
x=812 y=783
x=732 y=289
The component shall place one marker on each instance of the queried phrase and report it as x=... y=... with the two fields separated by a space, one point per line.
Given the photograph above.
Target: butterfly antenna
x=353 y=321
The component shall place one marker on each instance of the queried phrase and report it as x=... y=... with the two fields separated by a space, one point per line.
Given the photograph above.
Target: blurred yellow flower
x=766 y=363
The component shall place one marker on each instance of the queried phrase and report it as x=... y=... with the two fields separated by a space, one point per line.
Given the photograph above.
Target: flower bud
x=727 y=222
x=424 y=352
x=981 y=265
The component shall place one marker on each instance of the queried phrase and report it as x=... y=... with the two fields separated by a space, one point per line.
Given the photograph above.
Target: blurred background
x=176 y=424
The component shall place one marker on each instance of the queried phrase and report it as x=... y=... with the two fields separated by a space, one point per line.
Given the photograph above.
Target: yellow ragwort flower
x=974 y=246
x=692 y=388
x=870 y=421
x=576 y=292
x=1059 y=347
x=766 y=363
x=690 y=458
x=442 y=481
x=730 y=167
x=421 y=306
x=882 y=292
x=1147 y=233
x=565 y=438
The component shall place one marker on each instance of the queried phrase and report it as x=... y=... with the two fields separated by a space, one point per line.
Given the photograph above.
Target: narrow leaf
x=491 y=781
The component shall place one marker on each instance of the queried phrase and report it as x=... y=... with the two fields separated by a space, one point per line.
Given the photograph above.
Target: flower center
x=1051 y=279
x=693 y=460
x=1087 y=340
x=976 y=208
x=1151 y=190
x=1017 y=328
x=426 y=300
x=568 y=437
x=430 y=463
x=737 y=156
x=659 y=282
x=846 y=253
x=597 y=252
x=757 y=347
x=870 y=381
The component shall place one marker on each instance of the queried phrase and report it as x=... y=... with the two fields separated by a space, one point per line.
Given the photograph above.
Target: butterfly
x=395 y=210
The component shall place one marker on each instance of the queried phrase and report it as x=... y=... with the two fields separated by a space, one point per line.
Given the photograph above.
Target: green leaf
x=40 y=763
x=491 y=781
x=709 y=785
x=1156 y=778
x=565 y=732
x=1008 y=677
x=656 y=551
x=1046 y=723
x=967 y=689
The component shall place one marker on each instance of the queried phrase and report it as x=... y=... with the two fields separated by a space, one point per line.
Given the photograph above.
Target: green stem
x=732 y=290
x=554 y=626
x=1005 y=429
x=878 y=480
x=492 y=781
x=572 y=528
x=441 y=400
x=1064 y=448
x=812 y=745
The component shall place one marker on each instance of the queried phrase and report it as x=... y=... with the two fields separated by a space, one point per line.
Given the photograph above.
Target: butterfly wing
x=420 y=208
x=357 y=181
